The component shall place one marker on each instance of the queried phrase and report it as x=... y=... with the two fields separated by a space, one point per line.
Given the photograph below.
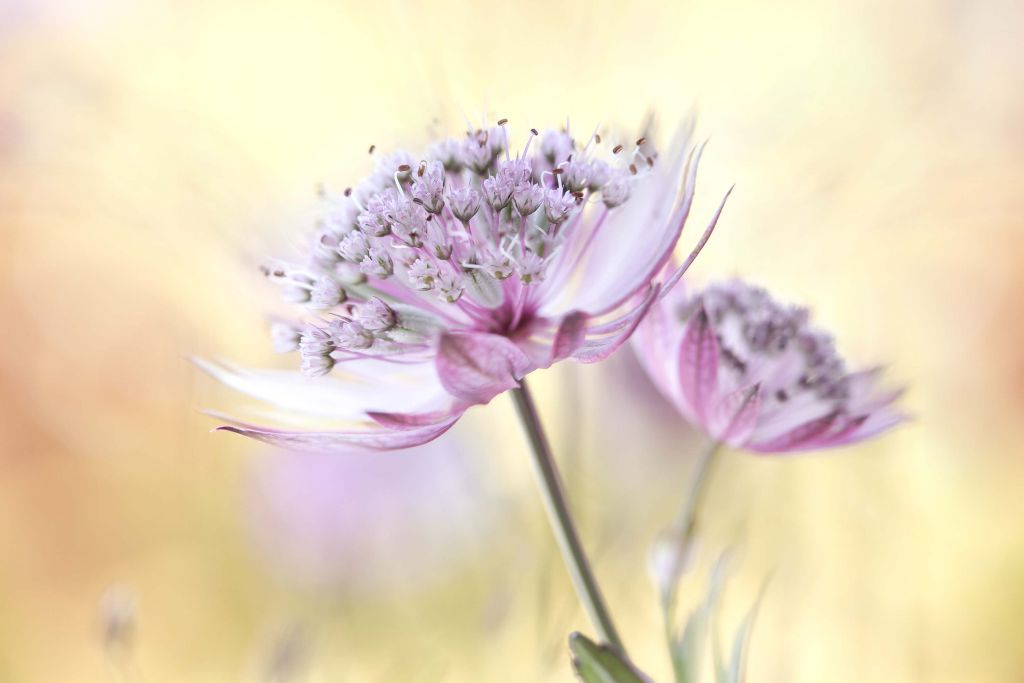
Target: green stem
x=552 y=493
x=685 y=523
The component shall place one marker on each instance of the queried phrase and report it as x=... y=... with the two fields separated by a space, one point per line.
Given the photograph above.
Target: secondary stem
x=685 y=523
x=552 y=493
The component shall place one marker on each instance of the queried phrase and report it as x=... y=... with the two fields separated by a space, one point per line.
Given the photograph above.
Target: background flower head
x=754 y=373
x=356 y=524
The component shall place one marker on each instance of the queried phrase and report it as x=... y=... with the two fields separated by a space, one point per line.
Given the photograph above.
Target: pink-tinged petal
x=735 y=416
x=379 y=438
x=476 y=367
x=635 y=241
x=656 y=343
x=864 y=427
x=698 y=364
x=864 y=397
x=604 y=340
x=345 y=395
x=799 y=437
x=571 y=334
x=671 y=281
x=405 y=421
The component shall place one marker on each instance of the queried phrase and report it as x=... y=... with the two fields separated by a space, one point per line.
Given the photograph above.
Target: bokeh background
x=152 y=152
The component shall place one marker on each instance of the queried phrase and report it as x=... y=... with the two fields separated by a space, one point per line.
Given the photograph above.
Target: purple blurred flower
x=359 y=523
x=754 y=373
x=441 y=283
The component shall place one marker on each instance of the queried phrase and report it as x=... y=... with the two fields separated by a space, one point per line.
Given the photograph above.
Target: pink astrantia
x=441 y=281
x=754 y=373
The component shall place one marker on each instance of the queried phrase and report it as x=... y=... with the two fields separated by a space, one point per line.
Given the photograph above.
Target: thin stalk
x=552 y=493
x=685 y=523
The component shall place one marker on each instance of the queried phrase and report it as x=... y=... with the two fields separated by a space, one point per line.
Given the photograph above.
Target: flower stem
x=552 y=493
x=685 y=523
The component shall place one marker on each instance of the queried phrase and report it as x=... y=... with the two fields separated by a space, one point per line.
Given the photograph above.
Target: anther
x=597 y=138
x=348 y=192
x=534 y=131
x=372 y=148
x=632 y=169
x=404 y=168
x=641 y=141
x=617 y=149
x=502 y=122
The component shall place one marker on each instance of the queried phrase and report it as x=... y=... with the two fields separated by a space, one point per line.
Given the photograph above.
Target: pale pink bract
x=754 y=374
x=438 y=283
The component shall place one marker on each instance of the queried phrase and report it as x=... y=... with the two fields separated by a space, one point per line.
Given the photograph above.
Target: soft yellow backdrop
x=151 y=153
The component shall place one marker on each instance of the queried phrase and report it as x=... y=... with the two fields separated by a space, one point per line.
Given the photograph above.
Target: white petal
x=348 y=393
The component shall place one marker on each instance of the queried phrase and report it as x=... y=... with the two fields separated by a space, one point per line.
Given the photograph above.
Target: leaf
x=688 y=648
x=741 y=642
x=595 y=663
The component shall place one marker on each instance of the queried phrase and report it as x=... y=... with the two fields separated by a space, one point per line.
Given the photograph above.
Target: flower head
x=754 y=373
x=441 y=282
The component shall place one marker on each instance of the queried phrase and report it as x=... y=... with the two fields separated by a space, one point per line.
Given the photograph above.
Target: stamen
x=533 y=134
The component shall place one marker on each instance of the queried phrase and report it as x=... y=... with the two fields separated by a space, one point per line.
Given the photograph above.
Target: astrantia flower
x=754 y=373
x=441 y=281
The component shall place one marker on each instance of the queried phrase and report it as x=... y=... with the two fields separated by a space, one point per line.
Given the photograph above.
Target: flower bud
x=326 y=293
x=375 y=315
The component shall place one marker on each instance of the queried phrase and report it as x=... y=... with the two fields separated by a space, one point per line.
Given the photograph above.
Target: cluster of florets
x=755 y=332
x=451 y=229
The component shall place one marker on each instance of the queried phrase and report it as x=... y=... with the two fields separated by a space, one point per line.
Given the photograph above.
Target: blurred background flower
x=152 y=153
x=359 y=523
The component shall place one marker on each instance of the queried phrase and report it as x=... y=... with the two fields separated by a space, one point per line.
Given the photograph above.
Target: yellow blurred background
x=151 y=153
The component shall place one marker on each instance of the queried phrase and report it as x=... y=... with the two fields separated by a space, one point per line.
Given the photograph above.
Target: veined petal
x=864 y=427
x=636 y=239
x=476 y=367
x=571 y=335
x=602 y=341
x=799 y=437
x=735 y=415
x=698 y=365
x=656 y=342
x=347 y=395
x=404 y=421
x=376 y=438
x=672 y=279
